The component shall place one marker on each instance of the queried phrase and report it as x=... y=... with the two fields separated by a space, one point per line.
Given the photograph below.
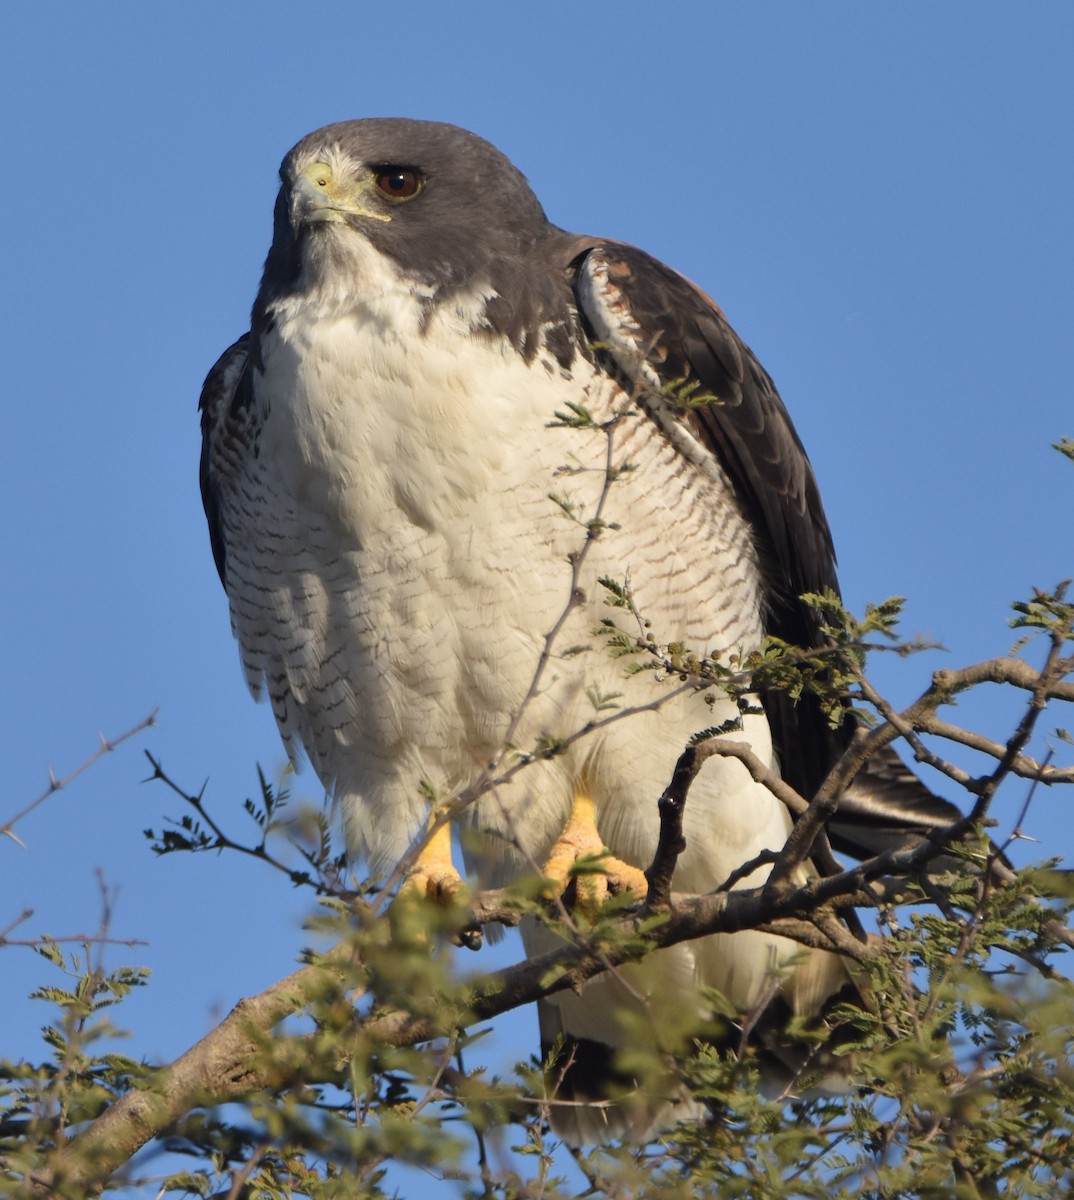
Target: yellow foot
x=433 y=874
x=595 y=879
x=433 y=877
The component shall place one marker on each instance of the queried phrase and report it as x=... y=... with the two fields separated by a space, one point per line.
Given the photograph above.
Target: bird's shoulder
x=673 y=344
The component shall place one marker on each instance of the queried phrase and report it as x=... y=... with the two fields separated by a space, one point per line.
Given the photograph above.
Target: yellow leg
x=578 y=840
x=433 y=874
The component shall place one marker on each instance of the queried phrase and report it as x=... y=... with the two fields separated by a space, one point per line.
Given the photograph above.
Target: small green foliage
x=565 y=505
x=430 y=793
x=831 y=673
x=965 y=1064
x=548 y=746
x=617 y=643
x=273 y=801
x=617 y=470
x=1065 y=446
x=619 y=594
x=50 y=950
x=843 y=628
x=44 y=1103
x=573 y=651
x=731 y=725
x=603 y=701
x=1047 y=612
x=186 y=835
x=688 y=394
x=577 y=416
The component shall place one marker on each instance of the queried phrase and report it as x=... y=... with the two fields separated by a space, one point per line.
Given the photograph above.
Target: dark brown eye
x=400 y=183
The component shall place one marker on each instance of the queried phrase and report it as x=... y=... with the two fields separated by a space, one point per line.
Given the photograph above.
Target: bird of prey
x=442 y=398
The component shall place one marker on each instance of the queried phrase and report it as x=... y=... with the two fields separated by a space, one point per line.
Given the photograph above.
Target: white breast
x=396 y=562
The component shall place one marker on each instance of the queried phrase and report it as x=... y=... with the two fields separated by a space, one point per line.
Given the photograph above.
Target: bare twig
x=106 y=746
x=594 y=526
x=671 y=842
x=325 y=885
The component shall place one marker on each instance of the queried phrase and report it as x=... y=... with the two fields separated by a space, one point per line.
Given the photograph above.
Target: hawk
x=442 y=399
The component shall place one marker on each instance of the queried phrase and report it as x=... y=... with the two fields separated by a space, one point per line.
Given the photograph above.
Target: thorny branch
x=324 y=884
x=230 y=1062
x=226 y=1064
x=105 y=746
x=920 y=717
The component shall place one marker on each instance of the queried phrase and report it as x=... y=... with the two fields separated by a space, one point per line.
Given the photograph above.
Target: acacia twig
x=106 y=746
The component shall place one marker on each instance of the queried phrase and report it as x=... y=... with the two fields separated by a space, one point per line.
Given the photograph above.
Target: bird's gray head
x=443 y=207
x=446 y=205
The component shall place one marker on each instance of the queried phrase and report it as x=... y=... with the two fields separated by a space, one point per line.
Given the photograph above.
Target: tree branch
x=105 y=746
x=238 y=1058
x=242 y=1056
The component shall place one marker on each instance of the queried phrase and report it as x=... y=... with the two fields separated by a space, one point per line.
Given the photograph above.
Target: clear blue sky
x=880 y=197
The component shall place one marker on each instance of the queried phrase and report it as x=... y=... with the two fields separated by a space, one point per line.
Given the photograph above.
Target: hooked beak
x=317 y=195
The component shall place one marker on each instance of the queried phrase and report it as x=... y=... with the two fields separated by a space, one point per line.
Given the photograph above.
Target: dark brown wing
x=661 y=331
x=885 y=807
x=221 y=408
